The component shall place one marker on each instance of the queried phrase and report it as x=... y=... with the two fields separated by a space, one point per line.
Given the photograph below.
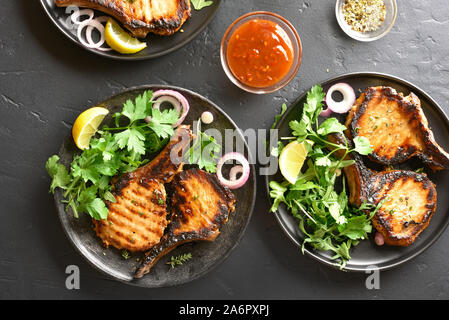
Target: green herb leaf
x=362 y=145
x=58 y=173
x=179 y=260
x=331 y=125
x=299 y=129
x=203 y=151
x=279 y=116
x=162 y=122
x=139 y=109
x=200 y=4
x=277 y=193
x=133 y=139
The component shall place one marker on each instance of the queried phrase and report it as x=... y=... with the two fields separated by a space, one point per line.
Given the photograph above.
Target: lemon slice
x=86 y=125
x=120 y=40
x=292 y=159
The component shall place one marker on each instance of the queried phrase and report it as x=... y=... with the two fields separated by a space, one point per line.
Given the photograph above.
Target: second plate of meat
x=404 y=144
x=163 y=36
x=172 y=196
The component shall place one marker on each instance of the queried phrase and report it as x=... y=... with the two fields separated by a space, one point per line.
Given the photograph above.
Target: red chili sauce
x=259 y=53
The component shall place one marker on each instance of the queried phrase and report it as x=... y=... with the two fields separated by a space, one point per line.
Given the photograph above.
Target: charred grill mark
x=409 y=108
x=126 y=12
x=196 y=214
x=366 y=184
x=122 y=182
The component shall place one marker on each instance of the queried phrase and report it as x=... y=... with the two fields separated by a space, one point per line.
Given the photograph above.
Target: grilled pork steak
x=409 y=198
x=162 y=17
x=200 y=206
x=138 y=218
x=396 y=128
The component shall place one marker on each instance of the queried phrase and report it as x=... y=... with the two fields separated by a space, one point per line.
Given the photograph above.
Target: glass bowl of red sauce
x=261 y=52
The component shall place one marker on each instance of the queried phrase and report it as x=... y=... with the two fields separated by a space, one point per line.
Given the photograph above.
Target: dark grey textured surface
x=45 y=81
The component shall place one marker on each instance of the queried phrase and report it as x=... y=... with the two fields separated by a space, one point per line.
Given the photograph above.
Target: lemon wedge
x=120 y=40
x=292 y=159
x=86 y=125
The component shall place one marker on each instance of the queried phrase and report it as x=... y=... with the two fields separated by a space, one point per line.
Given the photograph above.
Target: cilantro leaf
x=277 y=193
x=200 y=4
x=97 y=209
x=139 y=109
x=331 y=125
x=203 y=151
x=162 y=122
x=279 y=116
x=58 y=173
x=299 y=129
x=362 y=145
x=132 y=139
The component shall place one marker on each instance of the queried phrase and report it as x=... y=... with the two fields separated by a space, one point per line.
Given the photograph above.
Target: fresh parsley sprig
x=204 y=151
x=115 y=150
x=200 y=4
x=326 y=219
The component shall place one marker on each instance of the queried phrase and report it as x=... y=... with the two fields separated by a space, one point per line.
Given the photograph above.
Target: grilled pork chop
x=200 y=205
x=396 y=128
x=162 y=17
x=409 y=198
x=138 y=218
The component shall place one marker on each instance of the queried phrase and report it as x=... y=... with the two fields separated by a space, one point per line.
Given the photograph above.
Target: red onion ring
x=78 y=13
x=234 y=183
x=184 y=103
x=102 y=19
x=170 y=99
x=348 y=98
x=90 y=44
x=326 y=113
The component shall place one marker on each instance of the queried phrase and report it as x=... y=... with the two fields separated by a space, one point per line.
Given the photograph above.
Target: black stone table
x=45 y=81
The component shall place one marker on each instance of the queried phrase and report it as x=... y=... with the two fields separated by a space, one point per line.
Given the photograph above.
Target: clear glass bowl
x=289 y=30
x=385 y=27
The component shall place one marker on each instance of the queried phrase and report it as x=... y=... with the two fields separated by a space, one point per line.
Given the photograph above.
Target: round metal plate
x=367 y=255
x=205 y=255
x=157 y=45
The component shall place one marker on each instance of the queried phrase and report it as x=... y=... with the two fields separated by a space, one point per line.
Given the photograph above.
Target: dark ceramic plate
x=205 y=255
x=367 y=254
x=157 y=45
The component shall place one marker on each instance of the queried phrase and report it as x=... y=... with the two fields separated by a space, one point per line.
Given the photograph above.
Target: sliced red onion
x=88 y=42
x=244 y=168
x=79 y=13
x=170 y=99
x=326 y=113
x=348 y=98
x=379 y=239
x=102 y=19
x=184 y=103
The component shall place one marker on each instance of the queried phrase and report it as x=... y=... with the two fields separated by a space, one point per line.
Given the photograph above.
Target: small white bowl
x=384 y=28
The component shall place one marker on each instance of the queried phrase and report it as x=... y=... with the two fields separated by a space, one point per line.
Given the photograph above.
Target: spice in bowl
x=364 y=15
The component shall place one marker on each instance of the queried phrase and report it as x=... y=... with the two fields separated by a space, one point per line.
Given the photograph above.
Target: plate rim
x=132 y=57
x=310 y=252
x=62 y=216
